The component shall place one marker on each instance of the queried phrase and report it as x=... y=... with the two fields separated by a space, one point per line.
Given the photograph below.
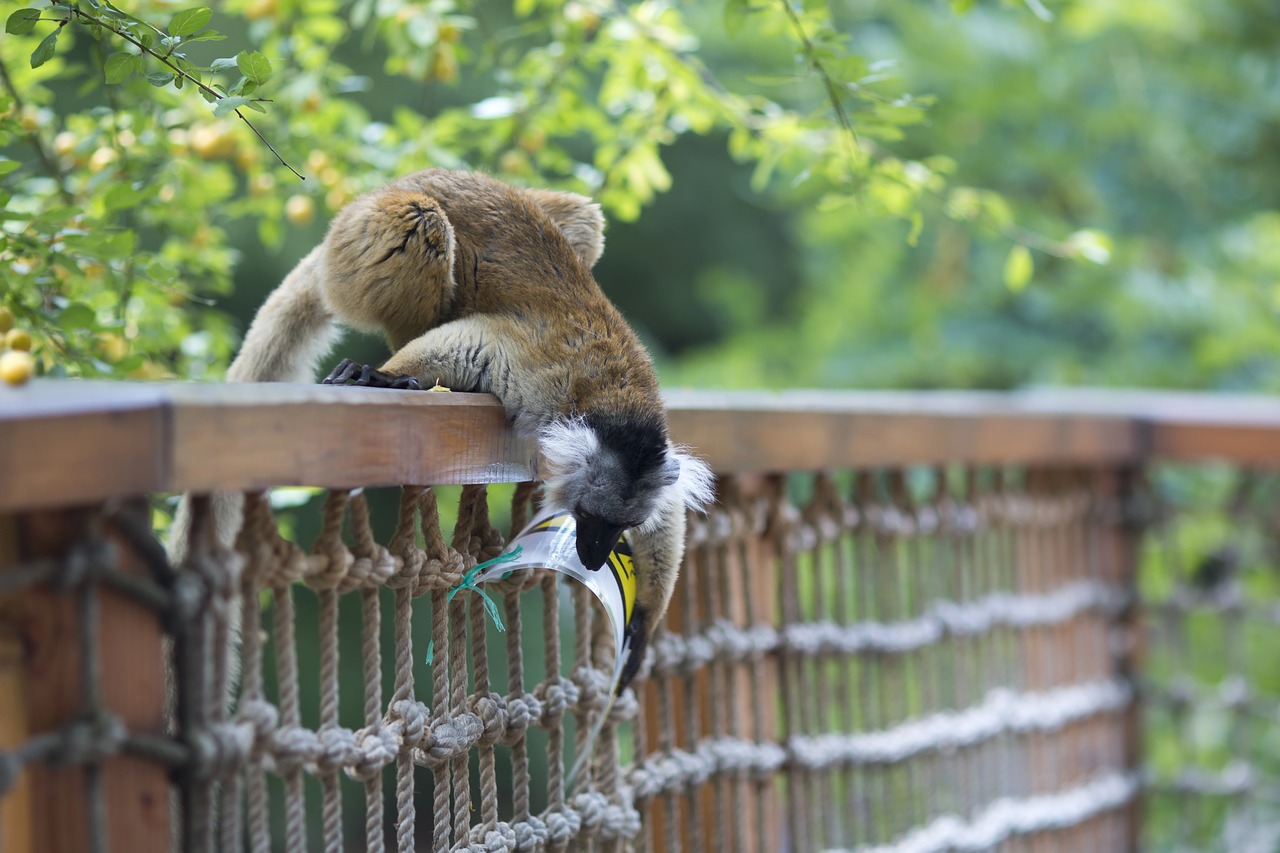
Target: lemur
x=480 y=286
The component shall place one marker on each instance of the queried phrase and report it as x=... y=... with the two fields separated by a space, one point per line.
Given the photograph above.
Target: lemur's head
x=615 y=473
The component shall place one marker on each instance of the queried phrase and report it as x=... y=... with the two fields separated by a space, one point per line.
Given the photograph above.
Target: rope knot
x=557 y=694
x=413 y=717
x=562 y=827
x=452 y=737
x=594 y=687
x=491 y=710
x=376 y=747
x=531 y=834
x=490 y=839
x=338 y=748
x=522 y=710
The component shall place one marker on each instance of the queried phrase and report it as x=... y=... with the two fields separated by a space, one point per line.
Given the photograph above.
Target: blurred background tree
x=913 y=194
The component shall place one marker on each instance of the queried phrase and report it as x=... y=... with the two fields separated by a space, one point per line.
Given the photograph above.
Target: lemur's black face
x=596 y=538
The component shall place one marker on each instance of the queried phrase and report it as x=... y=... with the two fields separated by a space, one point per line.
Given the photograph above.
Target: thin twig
x=195 y=81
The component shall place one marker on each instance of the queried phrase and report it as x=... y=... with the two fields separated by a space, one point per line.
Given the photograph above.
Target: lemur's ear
x=694 y=482
x=670 y=471
x=578 y=217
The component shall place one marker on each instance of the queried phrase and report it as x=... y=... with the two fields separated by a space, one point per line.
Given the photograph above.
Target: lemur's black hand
x=349 y=372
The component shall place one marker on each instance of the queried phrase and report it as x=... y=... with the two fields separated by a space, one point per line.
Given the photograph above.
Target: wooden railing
x=87 y=742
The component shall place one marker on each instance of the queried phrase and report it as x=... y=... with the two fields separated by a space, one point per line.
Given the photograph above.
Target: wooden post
x=51 y=809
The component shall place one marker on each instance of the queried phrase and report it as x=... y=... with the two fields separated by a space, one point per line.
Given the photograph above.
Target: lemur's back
x=510 y=252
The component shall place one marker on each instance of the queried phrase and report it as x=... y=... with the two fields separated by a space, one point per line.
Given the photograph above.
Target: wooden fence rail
x=69 y=449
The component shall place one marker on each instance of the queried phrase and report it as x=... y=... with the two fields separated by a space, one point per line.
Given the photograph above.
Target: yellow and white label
x=551 y=542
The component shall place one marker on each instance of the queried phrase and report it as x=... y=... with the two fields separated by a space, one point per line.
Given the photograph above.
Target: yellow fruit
x=212 y=142
x=65 y=143
x=449 y=33
x=261 y=184
x=127 y=138
x=299 y=209
x=18 y=339
x=6 y=320
x=246 y=158
x=102 y=158
x=337 y=198
x=30 y=120
x=514 y=162
x=317 y=161
x=16 y=367
x=112 y=346
x=533 y=140
x=444 y=64
x=311 y=102
x=259 y=9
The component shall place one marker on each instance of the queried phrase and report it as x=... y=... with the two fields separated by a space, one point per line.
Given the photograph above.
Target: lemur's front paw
x=349 y=372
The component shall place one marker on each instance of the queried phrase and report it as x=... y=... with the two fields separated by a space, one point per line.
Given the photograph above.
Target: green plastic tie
x=469 y=582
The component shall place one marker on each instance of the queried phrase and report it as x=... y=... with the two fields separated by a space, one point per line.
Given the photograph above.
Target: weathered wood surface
x=69 y=442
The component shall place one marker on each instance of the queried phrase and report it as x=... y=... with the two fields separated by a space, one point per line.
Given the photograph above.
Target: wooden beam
x=319 y=435
x=73 y=442
x=130 y=683
x=65 y=443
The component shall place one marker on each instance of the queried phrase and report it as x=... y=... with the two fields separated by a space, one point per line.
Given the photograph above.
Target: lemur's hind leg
x=389 y=264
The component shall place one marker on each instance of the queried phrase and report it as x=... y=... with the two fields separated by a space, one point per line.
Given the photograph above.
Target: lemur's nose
x=596 y=539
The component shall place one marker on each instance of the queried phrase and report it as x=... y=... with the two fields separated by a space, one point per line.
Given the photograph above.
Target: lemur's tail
x=289 y=335
x=291 y=331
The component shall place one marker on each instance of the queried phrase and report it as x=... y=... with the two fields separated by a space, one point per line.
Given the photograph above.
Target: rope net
x=906 y=661
x=1210 y=588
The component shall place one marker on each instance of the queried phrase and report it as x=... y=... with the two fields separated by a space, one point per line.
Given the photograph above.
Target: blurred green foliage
x=851 y=194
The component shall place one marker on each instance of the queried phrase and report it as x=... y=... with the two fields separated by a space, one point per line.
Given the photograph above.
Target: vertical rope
x=252 y=698
x=295 y=826
x=330 y=545
x=371 y=667
x=554 y=715
x=415 y=504
x=582 y=623
x=517 y=691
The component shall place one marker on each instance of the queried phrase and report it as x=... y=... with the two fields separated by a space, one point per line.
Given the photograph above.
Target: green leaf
x=7 y=166
x=962 y=6
x=207 y=35
x=160 y=79
x=735 y=15
x=190 y=21
x=77 y=315
x=226 y=105
x=22 y=21
x=44 y=51
x=122 y=196
x=254 y=66
x=120 y=67
x=1018 y=268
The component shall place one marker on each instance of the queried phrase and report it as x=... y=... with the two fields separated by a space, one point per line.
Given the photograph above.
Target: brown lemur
x=480 y=286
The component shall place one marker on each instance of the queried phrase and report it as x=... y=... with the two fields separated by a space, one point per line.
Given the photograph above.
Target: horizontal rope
x=1011 y=817
x=222 y=748
x=1236 y=779
x=727 y=643
x=1003 y=711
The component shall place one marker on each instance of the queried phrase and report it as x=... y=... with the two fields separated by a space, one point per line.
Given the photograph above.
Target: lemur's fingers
x=341 y=374
x=349 y=372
